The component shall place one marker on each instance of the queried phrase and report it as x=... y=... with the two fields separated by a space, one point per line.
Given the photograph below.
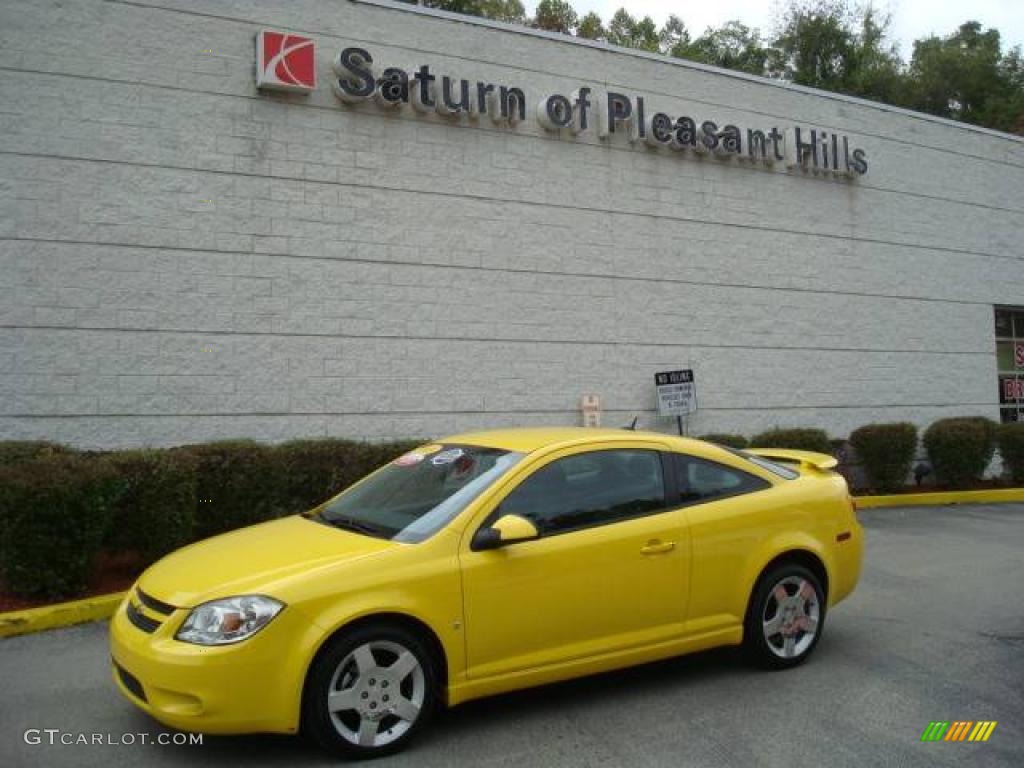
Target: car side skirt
x=553 y=673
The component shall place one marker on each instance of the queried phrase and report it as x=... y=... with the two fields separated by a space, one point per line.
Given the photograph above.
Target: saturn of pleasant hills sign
x=359 y=78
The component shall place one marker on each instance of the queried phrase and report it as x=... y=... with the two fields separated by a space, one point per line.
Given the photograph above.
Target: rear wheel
x=370 y=691
x=785 y=617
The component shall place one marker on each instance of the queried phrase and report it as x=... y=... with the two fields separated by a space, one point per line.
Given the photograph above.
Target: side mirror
x=507 y=529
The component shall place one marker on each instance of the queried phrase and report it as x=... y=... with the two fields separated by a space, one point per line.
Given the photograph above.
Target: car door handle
x=657 y=547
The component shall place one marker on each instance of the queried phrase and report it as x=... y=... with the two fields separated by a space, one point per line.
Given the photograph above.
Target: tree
x=626 y=31
x=877 y=72
x=674 y=39
x=733 y=46
x=591 y=27
x=467 y=7
x=965 y=76
x=816 y=44
x=555 y=16
x=830 y=45
x=509 y=11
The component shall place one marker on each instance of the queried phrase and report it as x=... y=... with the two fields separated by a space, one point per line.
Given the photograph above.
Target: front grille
x=153 y=604
x=140 y=620
x=130 y=682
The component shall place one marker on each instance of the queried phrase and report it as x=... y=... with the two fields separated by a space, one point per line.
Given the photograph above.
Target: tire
x=785 y=617
x=359 y=672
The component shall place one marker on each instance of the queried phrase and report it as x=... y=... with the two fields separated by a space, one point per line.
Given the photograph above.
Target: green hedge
x=314 y=470
x=54 y=513
x=17 y=451
x=1011 y=448
x=886 y=451
x=800 y=439
x=156 y=511
x=722 y=438
x=59 y=508
x=238 y=483
x=960 y=448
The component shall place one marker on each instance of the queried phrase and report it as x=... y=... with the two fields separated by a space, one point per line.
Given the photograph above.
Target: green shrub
x=315 y=470
x=960 y=448
x=238 y=483
x=721 y=438
x=54 y=512
x=1011 y=448
x=800 y=439
x=156 y=512
x=886 y=451
x=17 y=451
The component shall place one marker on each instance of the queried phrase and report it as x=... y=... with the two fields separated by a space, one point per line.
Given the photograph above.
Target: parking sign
x=677 y=392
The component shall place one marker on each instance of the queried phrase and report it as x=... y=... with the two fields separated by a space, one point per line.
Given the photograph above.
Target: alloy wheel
x=792 y=613
x=376 y=693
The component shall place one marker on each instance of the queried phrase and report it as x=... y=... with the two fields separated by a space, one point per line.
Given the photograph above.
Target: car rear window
x=774 y=467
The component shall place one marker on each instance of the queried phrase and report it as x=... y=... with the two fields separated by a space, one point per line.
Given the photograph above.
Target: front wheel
x=370 y=692
x=785 y=617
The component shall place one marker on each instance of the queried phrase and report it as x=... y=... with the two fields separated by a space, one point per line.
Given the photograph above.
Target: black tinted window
x=590 y=489
x=702 y=480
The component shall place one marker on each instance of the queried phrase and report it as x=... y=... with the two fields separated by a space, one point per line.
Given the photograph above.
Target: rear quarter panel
x=735 y=538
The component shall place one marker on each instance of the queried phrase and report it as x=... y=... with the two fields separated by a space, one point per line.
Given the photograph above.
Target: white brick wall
x=364 y=274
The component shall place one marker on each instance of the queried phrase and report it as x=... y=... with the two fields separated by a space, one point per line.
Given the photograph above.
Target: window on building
x=1010 y=362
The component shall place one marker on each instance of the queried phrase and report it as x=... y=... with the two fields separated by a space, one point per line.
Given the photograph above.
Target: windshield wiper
x=352 y=524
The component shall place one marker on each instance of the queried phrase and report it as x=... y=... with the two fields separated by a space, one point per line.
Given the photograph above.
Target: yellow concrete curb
x=940 y=497
x=59 y=615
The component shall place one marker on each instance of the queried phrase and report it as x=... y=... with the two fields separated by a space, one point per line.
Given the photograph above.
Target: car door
x=608 y=572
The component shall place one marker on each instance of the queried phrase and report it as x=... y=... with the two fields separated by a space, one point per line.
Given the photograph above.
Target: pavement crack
x=1013 y=638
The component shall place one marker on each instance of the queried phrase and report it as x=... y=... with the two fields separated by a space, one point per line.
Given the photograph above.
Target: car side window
x=703 y=480
x=590 y=489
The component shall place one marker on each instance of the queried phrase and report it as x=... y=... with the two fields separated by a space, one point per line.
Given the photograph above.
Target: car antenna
x=632 y=426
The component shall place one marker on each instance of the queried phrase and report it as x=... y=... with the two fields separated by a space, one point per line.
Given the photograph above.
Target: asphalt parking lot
x=934 y=632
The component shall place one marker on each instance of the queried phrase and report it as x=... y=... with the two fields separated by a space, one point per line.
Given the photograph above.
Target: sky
x=911 y=19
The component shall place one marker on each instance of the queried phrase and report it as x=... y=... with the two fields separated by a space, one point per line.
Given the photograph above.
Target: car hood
x=252 y=559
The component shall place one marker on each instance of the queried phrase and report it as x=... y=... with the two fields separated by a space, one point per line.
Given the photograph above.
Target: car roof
x=530 y=439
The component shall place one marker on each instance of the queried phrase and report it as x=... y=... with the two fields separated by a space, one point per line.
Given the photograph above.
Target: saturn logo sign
x=285 y=62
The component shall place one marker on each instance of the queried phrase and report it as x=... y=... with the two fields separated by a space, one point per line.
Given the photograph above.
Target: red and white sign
x=1018 y=354
x=1013 y=389
x=285 y=62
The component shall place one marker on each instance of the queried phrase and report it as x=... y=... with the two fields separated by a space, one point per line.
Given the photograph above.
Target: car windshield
x=418 y=493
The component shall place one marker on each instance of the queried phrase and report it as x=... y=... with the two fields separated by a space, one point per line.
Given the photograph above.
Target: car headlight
x=228 y=620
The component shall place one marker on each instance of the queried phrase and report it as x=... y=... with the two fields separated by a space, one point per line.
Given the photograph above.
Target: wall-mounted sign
x=590 y=406
x=1013 y=390
x=677 y=392
x=609 y=114
x=1018 y=354
x=285 y=62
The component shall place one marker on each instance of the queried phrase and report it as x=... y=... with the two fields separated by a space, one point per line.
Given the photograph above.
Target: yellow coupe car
x=484 y=563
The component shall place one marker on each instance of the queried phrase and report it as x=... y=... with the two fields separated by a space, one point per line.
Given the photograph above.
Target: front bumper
x=251 y=686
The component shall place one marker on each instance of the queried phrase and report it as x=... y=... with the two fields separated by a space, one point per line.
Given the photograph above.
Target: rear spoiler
x=809 y=459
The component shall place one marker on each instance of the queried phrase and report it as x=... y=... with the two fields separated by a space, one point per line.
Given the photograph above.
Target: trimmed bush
x=960 y=448
x=54 y=512
x=156 y=511
x=730 y=441
x=17 y=451
x=886 y=451
x=1011 y=448
x=315 y=470
x=799 y=439
x=238 y=483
